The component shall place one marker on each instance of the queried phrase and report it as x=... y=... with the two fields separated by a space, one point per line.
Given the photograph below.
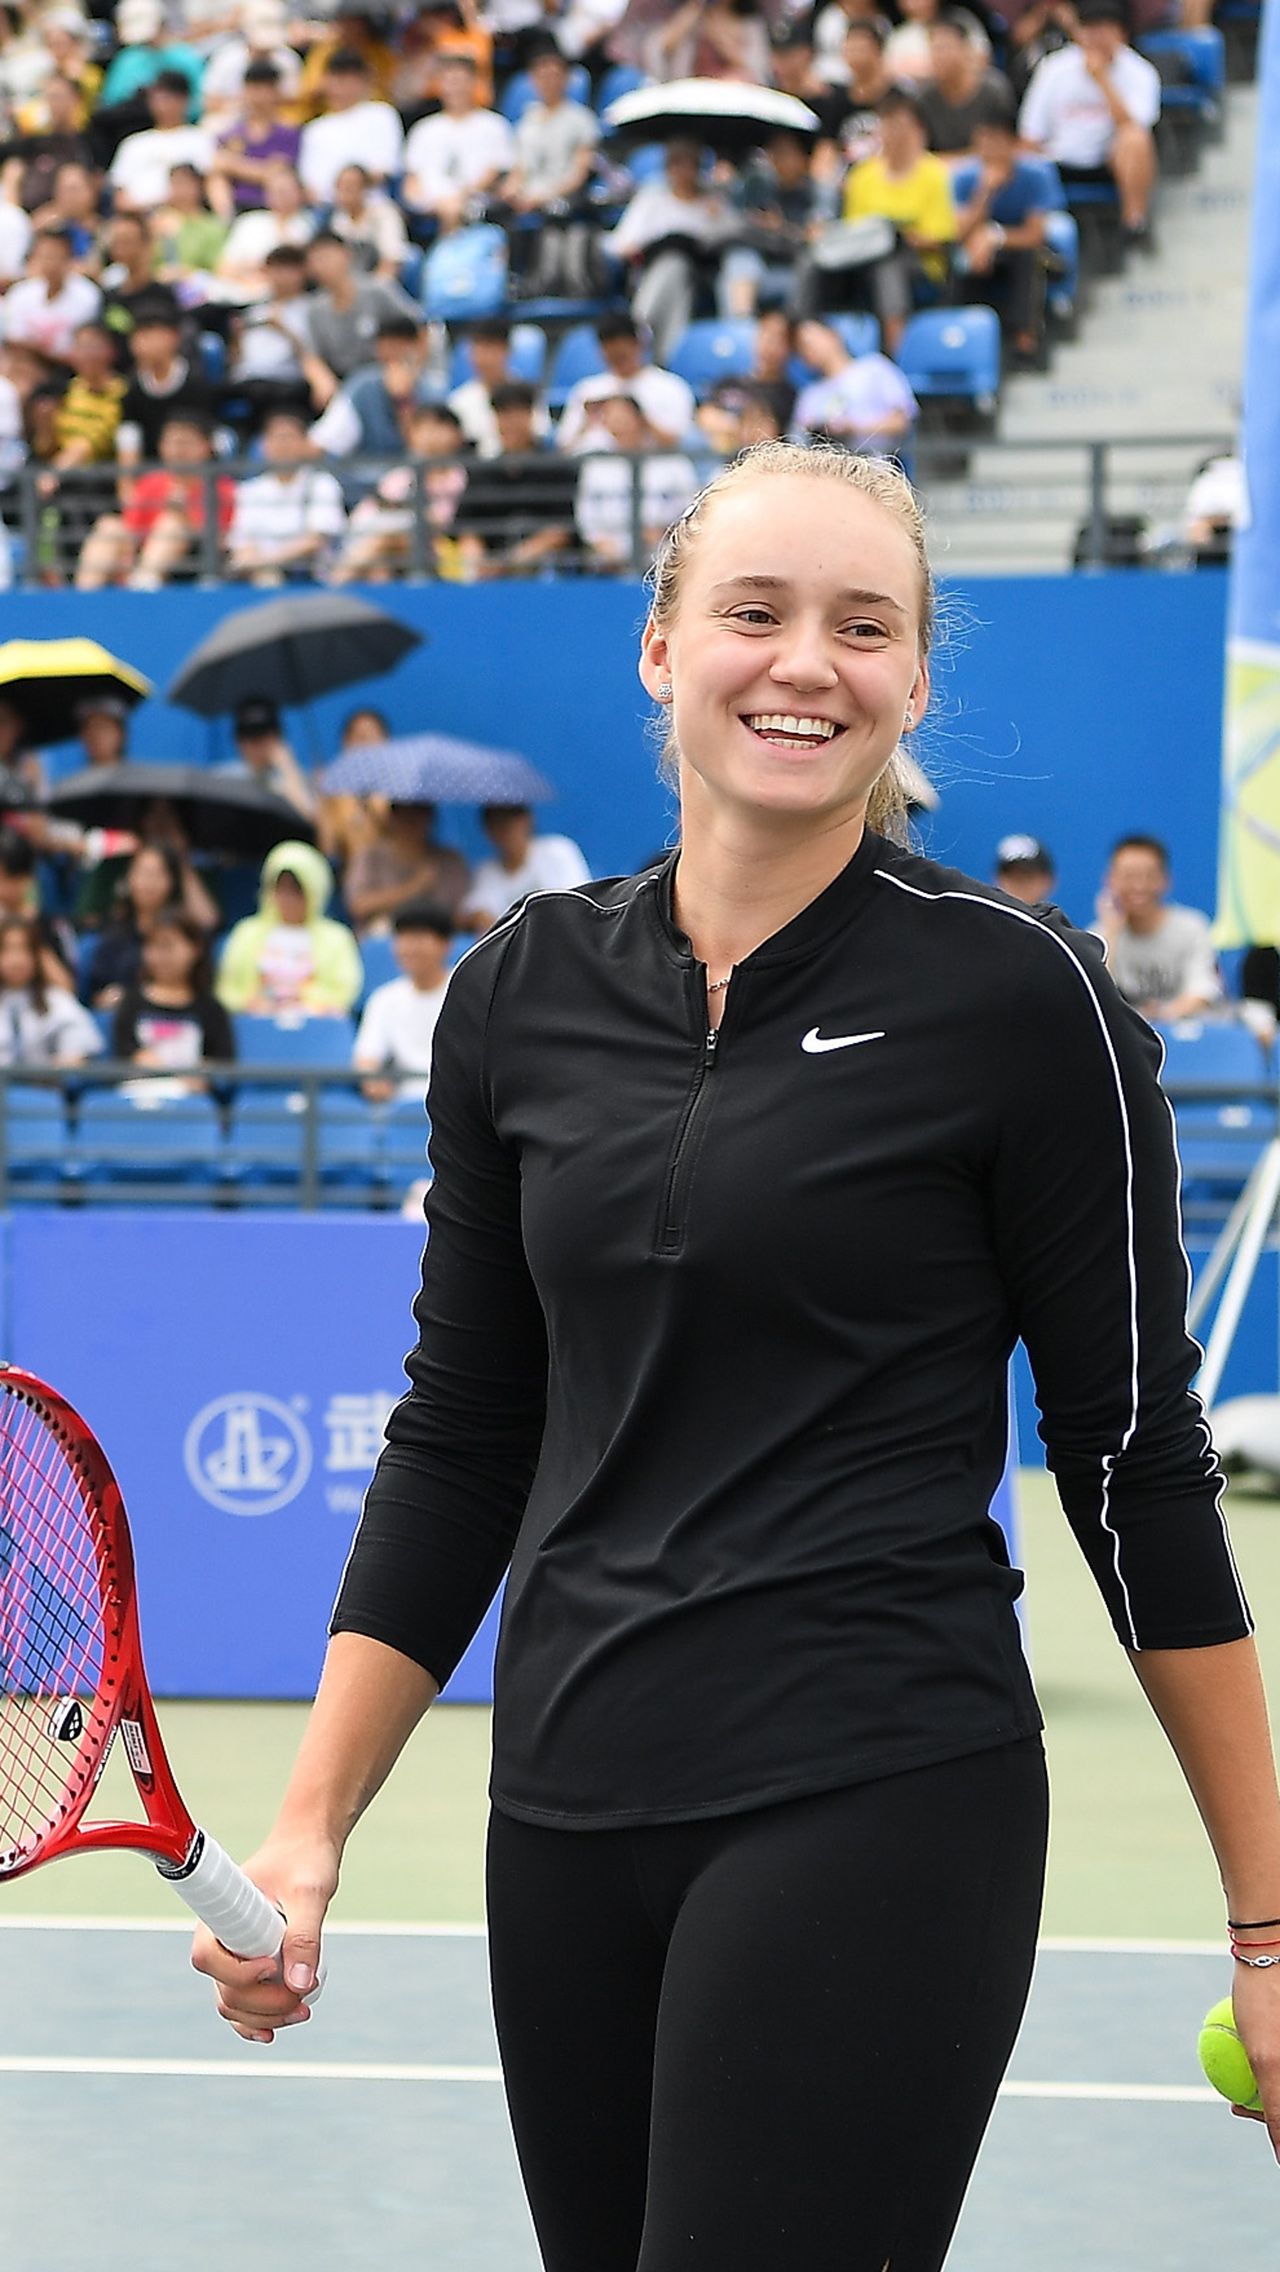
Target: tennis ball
x=1223 y=2057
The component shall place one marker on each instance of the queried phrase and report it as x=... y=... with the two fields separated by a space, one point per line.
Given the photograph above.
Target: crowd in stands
x=225 y=230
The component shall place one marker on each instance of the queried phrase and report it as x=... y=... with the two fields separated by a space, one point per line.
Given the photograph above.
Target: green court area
x=1129 y=1859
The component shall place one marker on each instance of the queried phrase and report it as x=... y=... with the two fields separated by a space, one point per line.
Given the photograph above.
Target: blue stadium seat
x=1062 y=293
x=1192 y=112
x=378 y=955
x=349 y=1145
x=577 y=357
x=520 y=92
x=1096 y=210
x=213 y=357
x=36 y=1136
x=710 y=351
x=647 y=162
x=265 y=1139
x=1219 y=1136
x=952 y=355
x=621 y=80
x=174 y=1140
x=860 y=333
x=321 y=1043
x=528 y=356
x=405 y=1133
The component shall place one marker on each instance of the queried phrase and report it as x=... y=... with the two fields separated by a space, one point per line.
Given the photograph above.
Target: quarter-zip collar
x=807 y=931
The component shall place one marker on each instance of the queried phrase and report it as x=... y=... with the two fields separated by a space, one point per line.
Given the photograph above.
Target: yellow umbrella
x=47 y=679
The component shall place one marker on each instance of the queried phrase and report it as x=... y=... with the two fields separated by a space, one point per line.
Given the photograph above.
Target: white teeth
x=775 y=722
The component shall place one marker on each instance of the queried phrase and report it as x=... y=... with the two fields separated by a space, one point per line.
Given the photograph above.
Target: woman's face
x=17 y=963
x=169 y=956
x=362 y=727
x=148 y=882
x=794 y=653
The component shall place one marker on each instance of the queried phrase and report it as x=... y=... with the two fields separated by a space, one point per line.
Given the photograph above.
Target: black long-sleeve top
x=714 y=1337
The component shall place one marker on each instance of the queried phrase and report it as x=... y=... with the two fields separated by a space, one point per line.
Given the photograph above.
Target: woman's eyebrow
x=780 y=584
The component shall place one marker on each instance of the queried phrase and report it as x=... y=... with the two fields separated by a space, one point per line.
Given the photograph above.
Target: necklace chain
x=718 y=985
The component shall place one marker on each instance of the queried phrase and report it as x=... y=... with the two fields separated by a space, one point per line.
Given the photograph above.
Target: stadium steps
x=1159 y=353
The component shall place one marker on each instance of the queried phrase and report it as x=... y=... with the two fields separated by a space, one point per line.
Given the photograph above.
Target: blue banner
x=1249 y=846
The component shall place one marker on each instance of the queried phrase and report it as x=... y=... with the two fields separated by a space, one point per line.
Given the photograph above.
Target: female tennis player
x=749 y=1171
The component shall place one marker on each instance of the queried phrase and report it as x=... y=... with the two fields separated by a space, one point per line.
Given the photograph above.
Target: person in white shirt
x=668 y=404
x=140 y=169
x=1159 y=954
x=1092 y=108
x=371 y=223
x=284 y=221
x=605 y=507
x=352 y=129
x=669 y=228
x=459 y=153
x=489 y=343
x=40 y=1024
x=46 y=306
x=15 y=241
x=524 y=863
x=286 y=521
x=393 y=1042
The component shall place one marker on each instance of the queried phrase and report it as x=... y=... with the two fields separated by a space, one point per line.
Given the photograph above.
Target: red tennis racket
x=72 y=1676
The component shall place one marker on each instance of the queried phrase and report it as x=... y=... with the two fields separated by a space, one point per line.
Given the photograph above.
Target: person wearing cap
x=139 y=172
x=1024 y=867
x=1093 y=107
x=263 y=754
x=354 y=128
x=144 y=51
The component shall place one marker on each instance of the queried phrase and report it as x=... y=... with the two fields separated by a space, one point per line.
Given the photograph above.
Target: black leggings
x=769 y=2042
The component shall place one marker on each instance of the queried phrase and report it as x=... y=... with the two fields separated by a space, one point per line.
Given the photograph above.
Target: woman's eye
x=865 y=631
x=754 y=616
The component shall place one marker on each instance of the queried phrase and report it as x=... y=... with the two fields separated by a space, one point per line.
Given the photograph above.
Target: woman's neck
x=737 y=884
x=170 y=993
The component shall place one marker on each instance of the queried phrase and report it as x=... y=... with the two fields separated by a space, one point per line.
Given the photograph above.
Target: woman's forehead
x=807 y=531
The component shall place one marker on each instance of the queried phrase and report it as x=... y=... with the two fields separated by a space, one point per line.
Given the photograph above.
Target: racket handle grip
x=237 y=1912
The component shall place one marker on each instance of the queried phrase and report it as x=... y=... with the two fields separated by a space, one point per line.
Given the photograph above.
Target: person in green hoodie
x=290 y=959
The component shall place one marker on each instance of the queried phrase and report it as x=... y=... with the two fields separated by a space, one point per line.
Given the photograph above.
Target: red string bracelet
x=1251 y=1946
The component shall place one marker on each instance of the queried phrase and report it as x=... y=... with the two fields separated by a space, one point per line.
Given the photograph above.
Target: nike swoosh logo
x=815 y=1044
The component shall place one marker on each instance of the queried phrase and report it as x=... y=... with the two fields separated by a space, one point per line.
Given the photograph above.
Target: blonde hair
x=877 y=478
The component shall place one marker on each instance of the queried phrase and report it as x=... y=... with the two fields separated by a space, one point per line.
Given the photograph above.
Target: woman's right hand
x=257 y=1995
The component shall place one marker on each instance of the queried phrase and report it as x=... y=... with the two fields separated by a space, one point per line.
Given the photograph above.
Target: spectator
x=555 y=157
x=867 y=82
x=139 y=172
x=263 y=755
x=830 y=29
x=402 y=863
x=371 y=223
x=517 y=511
x=21 y=773
x=62 y=38
x=353 y=35
x=524 y=862
x=163 y=382
x=352 y=129
x=781 y=205
x=73 y=208
x=620 y=530
x=20 y=896
x=41 y=1022
x=256 y=140
x=159 y=824
x=908 y=52
x=347 y=310
x=964 y=91
x=153 y=881
x=861 y=400
x=261 y=46
x=128 y=280
x=772 y=357
x=910 y=187
x=738 y=413
x=666 y=401
x=188 y=237
x=1216 y=506
x=363 y=728
x=372 y=411
x=79 y=428
x=144 y=52
x=15 y=241
x=155 y=539
x=1000 y=234
x=1092 y=108
x=288 y=520
x=393 y=1043
x=489 y=344
x=169 y=1016
x=436 y=30
x=35 y=157
x=795 y=72
x=1043 y=28
x=272 y=361
x=1025 y=869
x=102 y=729
x=380 y=538
x=44 y=308
x=291 y=959
x=584 y=31
x=1160 y=955
x=457 y=156
x=344 y=823
x=671 y=236
x=711 y=39
x=258 y=233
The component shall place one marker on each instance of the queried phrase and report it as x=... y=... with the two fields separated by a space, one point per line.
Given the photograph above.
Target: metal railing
x=51 y=515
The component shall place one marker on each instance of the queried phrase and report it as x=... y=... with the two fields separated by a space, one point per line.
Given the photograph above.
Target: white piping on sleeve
x=1109 y=1459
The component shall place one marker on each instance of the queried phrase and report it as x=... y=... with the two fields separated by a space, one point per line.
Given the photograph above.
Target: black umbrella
x=220 y=812
x=723 y=114
x=288 y=650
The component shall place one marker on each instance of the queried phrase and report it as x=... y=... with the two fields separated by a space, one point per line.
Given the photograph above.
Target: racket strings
x=52 y=1630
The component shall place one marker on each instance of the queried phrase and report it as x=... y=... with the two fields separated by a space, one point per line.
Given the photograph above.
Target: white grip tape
x=237 y=1912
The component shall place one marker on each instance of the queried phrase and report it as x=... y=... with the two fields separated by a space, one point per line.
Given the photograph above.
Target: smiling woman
x=749 y=1170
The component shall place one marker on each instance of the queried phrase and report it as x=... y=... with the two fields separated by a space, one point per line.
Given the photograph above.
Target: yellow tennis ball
x=1225 y=2060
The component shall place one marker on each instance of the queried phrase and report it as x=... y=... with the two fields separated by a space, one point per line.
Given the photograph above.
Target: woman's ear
x=654 y=664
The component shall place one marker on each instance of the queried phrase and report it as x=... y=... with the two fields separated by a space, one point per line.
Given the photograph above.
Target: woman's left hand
x=1256 y=2002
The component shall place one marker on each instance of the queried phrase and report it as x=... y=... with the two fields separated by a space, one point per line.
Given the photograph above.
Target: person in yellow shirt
x=908 y=185
x=351 y=29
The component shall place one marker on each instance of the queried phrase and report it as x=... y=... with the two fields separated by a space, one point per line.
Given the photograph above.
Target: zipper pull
x=713 y=1039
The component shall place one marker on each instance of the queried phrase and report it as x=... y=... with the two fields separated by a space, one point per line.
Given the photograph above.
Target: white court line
x=380 y=2071
x=393 y=1929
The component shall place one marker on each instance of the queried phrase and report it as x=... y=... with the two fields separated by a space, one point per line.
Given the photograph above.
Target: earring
x=664 y=690
x=910 y=718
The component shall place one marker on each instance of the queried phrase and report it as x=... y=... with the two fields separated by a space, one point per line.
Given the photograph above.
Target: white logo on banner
x=355 y=1425
x=247 y=1454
